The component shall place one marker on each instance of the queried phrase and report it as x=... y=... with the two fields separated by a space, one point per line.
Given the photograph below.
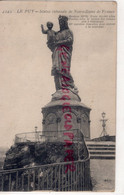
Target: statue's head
x=63 y=22
x=49 y=25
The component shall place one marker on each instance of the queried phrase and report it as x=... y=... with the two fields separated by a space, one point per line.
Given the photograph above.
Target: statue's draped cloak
x=61 y=60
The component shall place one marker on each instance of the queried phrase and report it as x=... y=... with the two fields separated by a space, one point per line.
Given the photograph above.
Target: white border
x=120 y=101
x=119 y=188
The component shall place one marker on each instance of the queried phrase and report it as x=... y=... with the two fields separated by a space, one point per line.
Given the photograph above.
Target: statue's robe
x=61 y=60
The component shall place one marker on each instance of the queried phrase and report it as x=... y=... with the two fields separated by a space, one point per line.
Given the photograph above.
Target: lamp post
x=103 y=120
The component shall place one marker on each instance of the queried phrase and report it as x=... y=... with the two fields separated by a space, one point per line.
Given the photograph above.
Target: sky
x=26 y=84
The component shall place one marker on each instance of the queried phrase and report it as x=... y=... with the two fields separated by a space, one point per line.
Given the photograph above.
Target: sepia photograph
x=58 y=96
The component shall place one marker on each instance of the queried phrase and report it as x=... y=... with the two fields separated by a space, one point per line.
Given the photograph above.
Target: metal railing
x=40 y=136
x=30 y=137
x=47 y=177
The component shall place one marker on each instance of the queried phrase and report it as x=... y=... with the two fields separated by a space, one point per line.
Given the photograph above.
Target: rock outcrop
x=28 y=154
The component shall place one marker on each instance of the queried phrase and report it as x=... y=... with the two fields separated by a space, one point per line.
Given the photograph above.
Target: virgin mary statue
x=61 y=56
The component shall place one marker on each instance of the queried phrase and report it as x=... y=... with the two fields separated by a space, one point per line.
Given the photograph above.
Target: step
x=102 y=157
x=89 y=148
x=101 y=153
x=100 y=145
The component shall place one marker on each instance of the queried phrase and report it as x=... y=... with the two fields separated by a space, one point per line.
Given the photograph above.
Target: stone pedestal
x=63 y=107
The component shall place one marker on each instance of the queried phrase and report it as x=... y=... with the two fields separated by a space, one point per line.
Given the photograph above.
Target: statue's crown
x=65 y=18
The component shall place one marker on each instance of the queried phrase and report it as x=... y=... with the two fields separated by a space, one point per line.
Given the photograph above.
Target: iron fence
x=48 y=177
x=52 y=135
x=30 y=137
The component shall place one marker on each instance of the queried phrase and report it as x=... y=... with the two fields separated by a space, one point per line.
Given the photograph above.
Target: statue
x=50 y=34
x=61 y=45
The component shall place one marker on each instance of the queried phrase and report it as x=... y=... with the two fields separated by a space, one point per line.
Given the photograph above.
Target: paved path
x=102 y=165
x=103 y=174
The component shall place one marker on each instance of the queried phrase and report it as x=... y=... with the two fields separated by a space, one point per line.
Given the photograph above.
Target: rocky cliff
x=28 y=154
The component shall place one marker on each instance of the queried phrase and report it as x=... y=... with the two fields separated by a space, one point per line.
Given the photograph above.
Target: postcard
x=58 y=94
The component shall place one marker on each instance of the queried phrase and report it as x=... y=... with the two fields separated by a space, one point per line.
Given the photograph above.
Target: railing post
x=28 y=180
x=68 y=180
x=55 y=178
x=22 y=181
x=10 y=182
x=38 y=179
x=51 y=179
x=59 y=180
x=81 y=175
x=76 y=176
x=71 y=181
x=2 y=186
x=84 y=170
x=34 y=179
x=65 y=181
x=16 y=180
x=62 y=177
x=47 y=179
x=42 y=180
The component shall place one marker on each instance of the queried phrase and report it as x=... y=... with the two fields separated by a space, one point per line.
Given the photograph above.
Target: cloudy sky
x=26 y=84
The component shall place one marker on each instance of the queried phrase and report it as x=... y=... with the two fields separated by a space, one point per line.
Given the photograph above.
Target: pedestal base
x=66 y=112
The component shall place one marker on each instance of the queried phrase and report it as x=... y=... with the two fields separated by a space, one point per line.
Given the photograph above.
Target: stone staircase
x=101 y=150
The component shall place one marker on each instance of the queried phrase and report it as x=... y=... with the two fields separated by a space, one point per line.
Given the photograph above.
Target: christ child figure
x=50 y=34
